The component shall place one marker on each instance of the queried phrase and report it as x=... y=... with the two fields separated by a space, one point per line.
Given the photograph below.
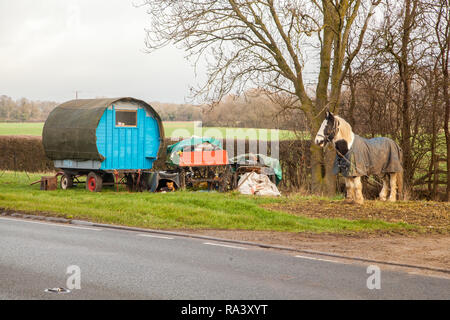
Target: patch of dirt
x=423 y=250
x=434 y=217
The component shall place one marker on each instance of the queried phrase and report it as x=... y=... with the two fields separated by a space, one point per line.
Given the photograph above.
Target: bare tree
x=402 y=40
x=398 y=83
x=442 y=33
x=263 y=43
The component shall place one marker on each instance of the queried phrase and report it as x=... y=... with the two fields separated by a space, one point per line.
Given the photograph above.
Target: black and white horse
x=356 y=157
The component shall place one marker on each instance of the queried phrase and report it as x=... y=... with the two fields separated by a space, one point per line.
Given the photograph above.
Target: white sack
x=257 y=184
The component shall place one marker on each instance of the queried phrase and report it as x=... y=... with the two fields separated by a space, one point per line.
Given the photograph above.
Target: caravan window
x=126 y=118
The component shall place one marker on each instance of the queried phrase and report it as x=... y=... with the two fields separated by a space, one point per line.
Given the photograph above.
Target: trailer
x=200 y=160
x=210 y=167
x=110 y=141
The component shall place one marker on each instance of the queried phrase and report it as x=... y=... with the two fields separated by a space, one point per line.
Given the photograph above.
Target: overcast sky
x=51 y=48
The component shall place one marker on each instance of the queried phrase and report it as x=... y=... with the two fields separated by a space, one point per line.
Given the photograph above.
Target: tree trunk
x=320 y=176
x=446 y=127
x=406 y=131
x=404 y=70
x=351 y=111
x=317 y=168
x=330 y=178
x=434 y=164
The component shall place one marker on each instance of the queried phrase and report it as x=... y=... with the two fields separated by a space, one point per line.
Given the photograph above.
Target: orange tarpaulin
x=204 y=158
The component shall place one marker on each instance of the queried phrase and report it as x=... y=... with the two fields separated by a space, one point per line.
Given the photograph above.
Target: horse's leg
x=393 y=181
x=350 y=190
x=385 y=189
x=359 y=199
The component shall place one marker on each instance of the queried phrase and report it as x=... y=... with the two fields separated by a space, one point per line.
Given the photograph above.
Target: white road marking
x=52 y=224
x=152 y=236
x=318 y=259
x=224 y=245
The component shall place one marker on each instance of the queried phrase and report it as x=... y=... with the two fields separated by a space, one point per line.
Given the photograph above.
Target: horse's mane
x=345 y=129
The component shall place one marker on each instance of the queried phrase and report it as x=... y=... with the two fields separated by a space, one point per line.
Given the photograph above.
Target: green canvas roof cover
x=70 y=129
x=173 y=156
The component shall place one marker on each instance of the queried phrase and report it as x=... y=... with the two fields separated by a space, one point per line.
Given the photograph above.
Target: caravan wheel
x=94 y=182
x=66 y=181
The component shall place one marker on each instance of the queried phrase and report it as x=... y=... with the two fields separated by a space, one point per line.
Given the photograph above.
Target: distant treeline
x=250 y=110
x=24 y=109
x=177 y=112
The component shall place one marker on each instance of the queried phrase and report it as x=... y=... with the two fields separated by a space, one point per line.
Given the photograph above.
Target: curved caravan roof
x=70 y=129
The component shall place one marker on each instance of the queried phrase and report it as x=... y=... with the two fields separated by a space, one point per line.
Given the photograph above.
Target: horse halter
x=329 y=136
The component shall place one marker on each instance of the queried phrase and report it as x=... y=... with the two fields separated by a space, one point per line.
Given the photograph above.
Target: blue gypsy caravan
x=109 y=140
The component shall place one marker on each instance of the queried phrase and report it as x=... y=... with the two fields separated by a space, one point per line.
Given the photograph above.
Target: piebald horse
x=356 y=157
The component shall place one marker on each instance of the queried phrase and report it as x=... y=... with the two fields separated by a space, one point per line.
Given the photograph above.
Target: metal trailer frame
x=211 y=167
x=135 y=180
x=218 y=177
x=214 y=168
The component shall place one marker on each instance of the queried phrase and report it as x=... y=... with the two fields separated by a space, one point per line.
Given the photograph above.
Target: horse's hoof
x=359 y=201
x=349 y=201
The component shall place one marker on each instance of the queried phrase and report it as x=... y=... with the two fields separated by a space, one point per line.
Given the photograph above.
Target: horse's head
x=327 y=130
x=337 y=131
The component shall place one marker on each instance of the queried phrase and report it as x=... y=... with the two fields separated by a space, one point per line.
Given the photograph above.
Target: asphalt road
x=118 y=264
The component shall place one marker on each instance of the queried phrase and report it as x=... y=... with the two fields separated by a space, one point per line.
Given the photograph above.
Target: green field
x=19 y=128
x=172 y=129
x=179 y=210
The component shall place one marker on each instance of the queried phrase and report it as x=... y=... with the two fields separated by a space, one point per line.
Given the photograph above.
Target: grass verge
x=179 y=210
